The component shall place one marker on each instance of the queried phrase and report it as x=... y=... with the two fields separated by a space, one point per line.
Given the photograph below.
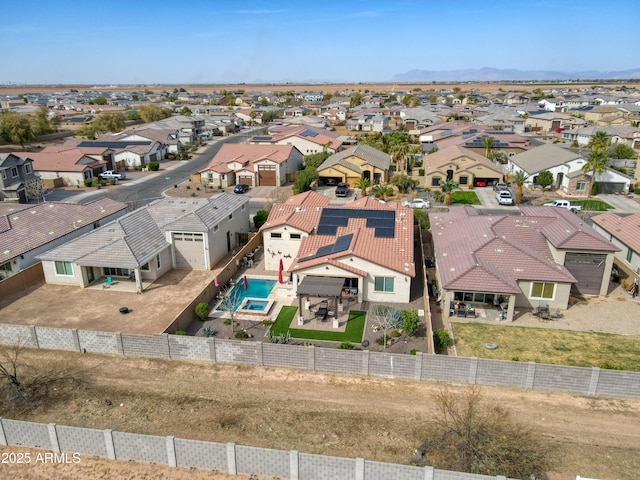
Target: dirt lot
x=373 y=418
x=97 y=309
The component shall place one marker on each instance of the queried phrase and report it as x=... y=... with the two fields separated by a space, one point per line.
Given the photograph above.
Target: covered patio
x=323 y=287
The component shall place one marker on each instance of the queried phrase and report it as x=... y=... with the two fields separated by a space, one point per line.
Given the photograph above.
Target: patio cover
x=320 y=286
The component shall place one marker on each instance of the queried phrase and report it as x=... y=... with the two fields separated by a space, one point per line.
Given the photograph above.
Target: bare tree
x=384 y=318
x=35 y=189
x=472 y=435
x=231 y=301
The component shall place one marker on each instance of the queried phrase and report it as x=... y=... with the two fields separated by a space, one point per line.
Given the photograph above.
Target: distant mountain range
x=496 y=75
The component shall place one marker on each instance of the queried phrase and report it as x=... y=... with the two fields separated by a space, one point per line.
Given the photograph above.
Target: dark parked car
x=342 y=190
x=330 y=182
x=241 y=188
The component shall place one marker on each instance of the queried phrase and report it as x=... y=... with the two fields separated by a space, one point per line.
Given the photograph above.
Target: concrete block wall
x=441 y=368
x=28 y=434
x=202 y=455
x=392 y=365
x=615 y=383
x=189 y=348
x=85 y=441
x=141 y=448
x=100 y=342
x=263 y=462
x=448 y=475
x=339 y=361
x=556 y=378
x=18 y=335
x=502 y=373
x=237 y=351
x=321 y=466
x=58 y=338
x=288 y=356
x=145 y=345
x=390 y=471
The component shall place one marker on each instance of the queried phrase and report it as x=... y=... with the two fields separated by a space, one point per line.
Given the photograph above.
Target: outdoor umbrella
x=215 y=281
x=280 y=272
x=246 y=285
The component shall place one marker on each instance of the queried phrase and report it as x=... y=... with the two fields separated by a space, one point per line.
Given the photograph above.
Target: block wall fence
x=420 y=367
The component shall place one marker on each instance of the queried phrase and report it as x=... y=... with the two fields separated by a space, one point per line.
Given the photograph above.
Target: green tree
x=447 y=187
x=433 y=98
x=599 y=141
x=264 y=102
x=43 y=123
x=399 y=153
x=363 y=184
x=544 y=179
x=153 y=113
x=16 y=127
x=109 y=122
x=98 y=101
x=622 y=151
x=411 y=100
x=356 y=99
x=304 y=179
x=382 y=192
x=595 y=163
x=185 y=111
x=260 y=218
x=488 y=143
x=314 y=160
x=404 y=183
x=519 y=178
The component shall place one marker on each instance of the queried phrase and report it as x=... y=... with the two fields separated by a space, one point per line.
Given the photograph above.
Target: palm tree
x=519 y=178
x=382 y=191
x=599 y=141
x=488 y=143
x=447 y=187
x=596 y=163
x=363 y=184
x=399 y=154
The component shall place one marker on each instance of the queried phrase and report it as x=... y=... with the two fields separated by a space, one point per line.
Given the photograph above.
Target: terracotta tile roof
x=85 y=150
x=395 y=253
x=248 y=154
x=625 y=229
x=439 y=161
x=62 y=161
x=493 y=251
x=321 y=137
x=33 y=226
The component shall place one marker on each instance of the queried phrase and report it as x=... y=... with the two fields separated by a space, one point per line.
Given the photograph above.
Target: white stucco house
x=624 y=233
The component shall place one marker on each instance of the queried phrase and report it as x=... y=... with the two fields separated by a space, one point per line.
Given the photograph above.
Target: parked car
x=500 y=186
x=241 y=188
x=117 y=174
x=417 y=203
x=504 y=197
x=342 y=190
x=564 y=204
x=330 y=182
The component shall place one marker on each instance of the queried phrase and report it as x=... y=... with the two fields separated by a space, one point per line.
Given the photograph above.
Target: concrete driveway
x=621 y=203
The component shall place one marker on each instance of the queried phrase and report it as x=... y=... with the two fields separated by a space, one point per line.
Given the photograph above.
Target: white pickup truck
x=564 y=204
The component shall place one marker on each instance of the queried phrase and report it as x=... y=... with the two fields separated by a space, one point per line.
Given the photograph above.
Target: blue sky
x=212 y=41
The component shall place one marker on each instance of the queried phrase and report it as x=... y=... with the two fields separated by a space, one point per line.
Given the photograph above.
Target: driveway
x=95 y=308
x=621 y=203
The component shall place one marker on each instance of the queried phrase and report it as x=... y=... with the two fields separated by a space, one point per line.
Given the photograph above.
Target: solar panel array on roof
x=342 y=244
x=308 y=133
x=113 y=144
x=262 y=138
x=383 y=221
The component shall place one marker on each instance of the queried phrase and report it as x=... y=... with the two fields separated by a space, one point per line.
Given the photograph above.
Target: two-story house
x=16 y=172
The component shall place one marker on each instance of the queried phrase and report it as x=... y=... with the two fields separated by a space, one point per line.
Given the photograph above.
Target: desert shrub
x=202 y=311
x=441 y=339
x=208 y=331
x=188 y=187
x=227 y=321
x=241 y=334
x=267 y=322
x=260 y=217
x=410 y=322
x=394 y=333
x=414 y=351
x=88 y=182
x=421 y=172
x=181 y=332
x=346 y=346
x=153 y=166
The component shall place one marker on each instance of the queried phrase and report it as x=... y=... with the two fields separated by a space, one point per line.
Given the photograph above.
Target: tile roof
x=434 y=162
x=495 y=251
x=74 y=160
x=625 y=229
x=320 y=136
x=395 y=253
x=26 y=227
x=134 y=239
x=543 y=157
x=370 y=155
x=248 y=154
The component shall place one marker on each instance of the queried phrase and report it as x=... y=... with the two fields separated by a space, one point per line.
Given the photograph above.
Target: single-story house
x=306 y=138
x=566 y=167
x=170 y=233
x=26 y=231
x=462 y=165
x=542 y=256
x=361 y=161
x=71 y=166
x=365 y=243
x=624 y=233
x=255 y=165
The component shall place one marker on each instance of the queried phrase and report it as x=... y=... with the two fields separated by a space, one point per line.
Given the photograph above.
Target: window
x=215 y=228
x=629 y=255
x=14 y=172
x=145 y=267
x=64 y=268
x=230 y=216
x=295 y=236
x=581 y=186
x=27 y=168
x=5 y=267
x=116 y=272
x=222 y=177
x=210 y=177
x=276 y=235
x=158 y=262
x=435 y=182
x=383 y=284
x=464 y=180
x=4 y=174
x=543 y=290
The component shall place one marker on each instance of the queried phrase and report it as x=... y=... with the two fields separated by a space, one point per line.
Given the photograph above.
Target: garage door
x=246 y=180
x=588 y=269
x=189 y=250
x=267 y=175
x=611 y=187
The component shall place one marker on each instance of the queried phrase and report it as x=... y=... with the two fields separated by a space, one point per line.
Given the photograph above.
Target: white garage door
x=189 y=250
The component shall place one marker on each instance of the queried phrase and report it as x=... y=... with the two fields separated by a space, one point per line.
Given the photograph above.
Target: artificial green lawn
x=353 y=332
x=592 y=205
x=464 y=198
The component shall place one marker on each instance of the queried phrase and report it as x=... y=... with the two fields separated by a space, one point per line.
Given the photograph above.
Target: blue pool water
x=255 y=305
x=257 y=288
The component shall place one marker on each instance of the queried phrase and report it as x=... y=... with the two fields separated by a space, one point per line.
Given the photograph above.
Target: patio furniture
x=323 y=311
x=555 y=315
x=107 y=282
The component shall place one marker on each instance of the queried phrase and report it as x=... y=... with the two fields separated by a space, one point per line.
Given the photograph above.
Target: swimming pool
x=257 y=288
x=255 y=305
